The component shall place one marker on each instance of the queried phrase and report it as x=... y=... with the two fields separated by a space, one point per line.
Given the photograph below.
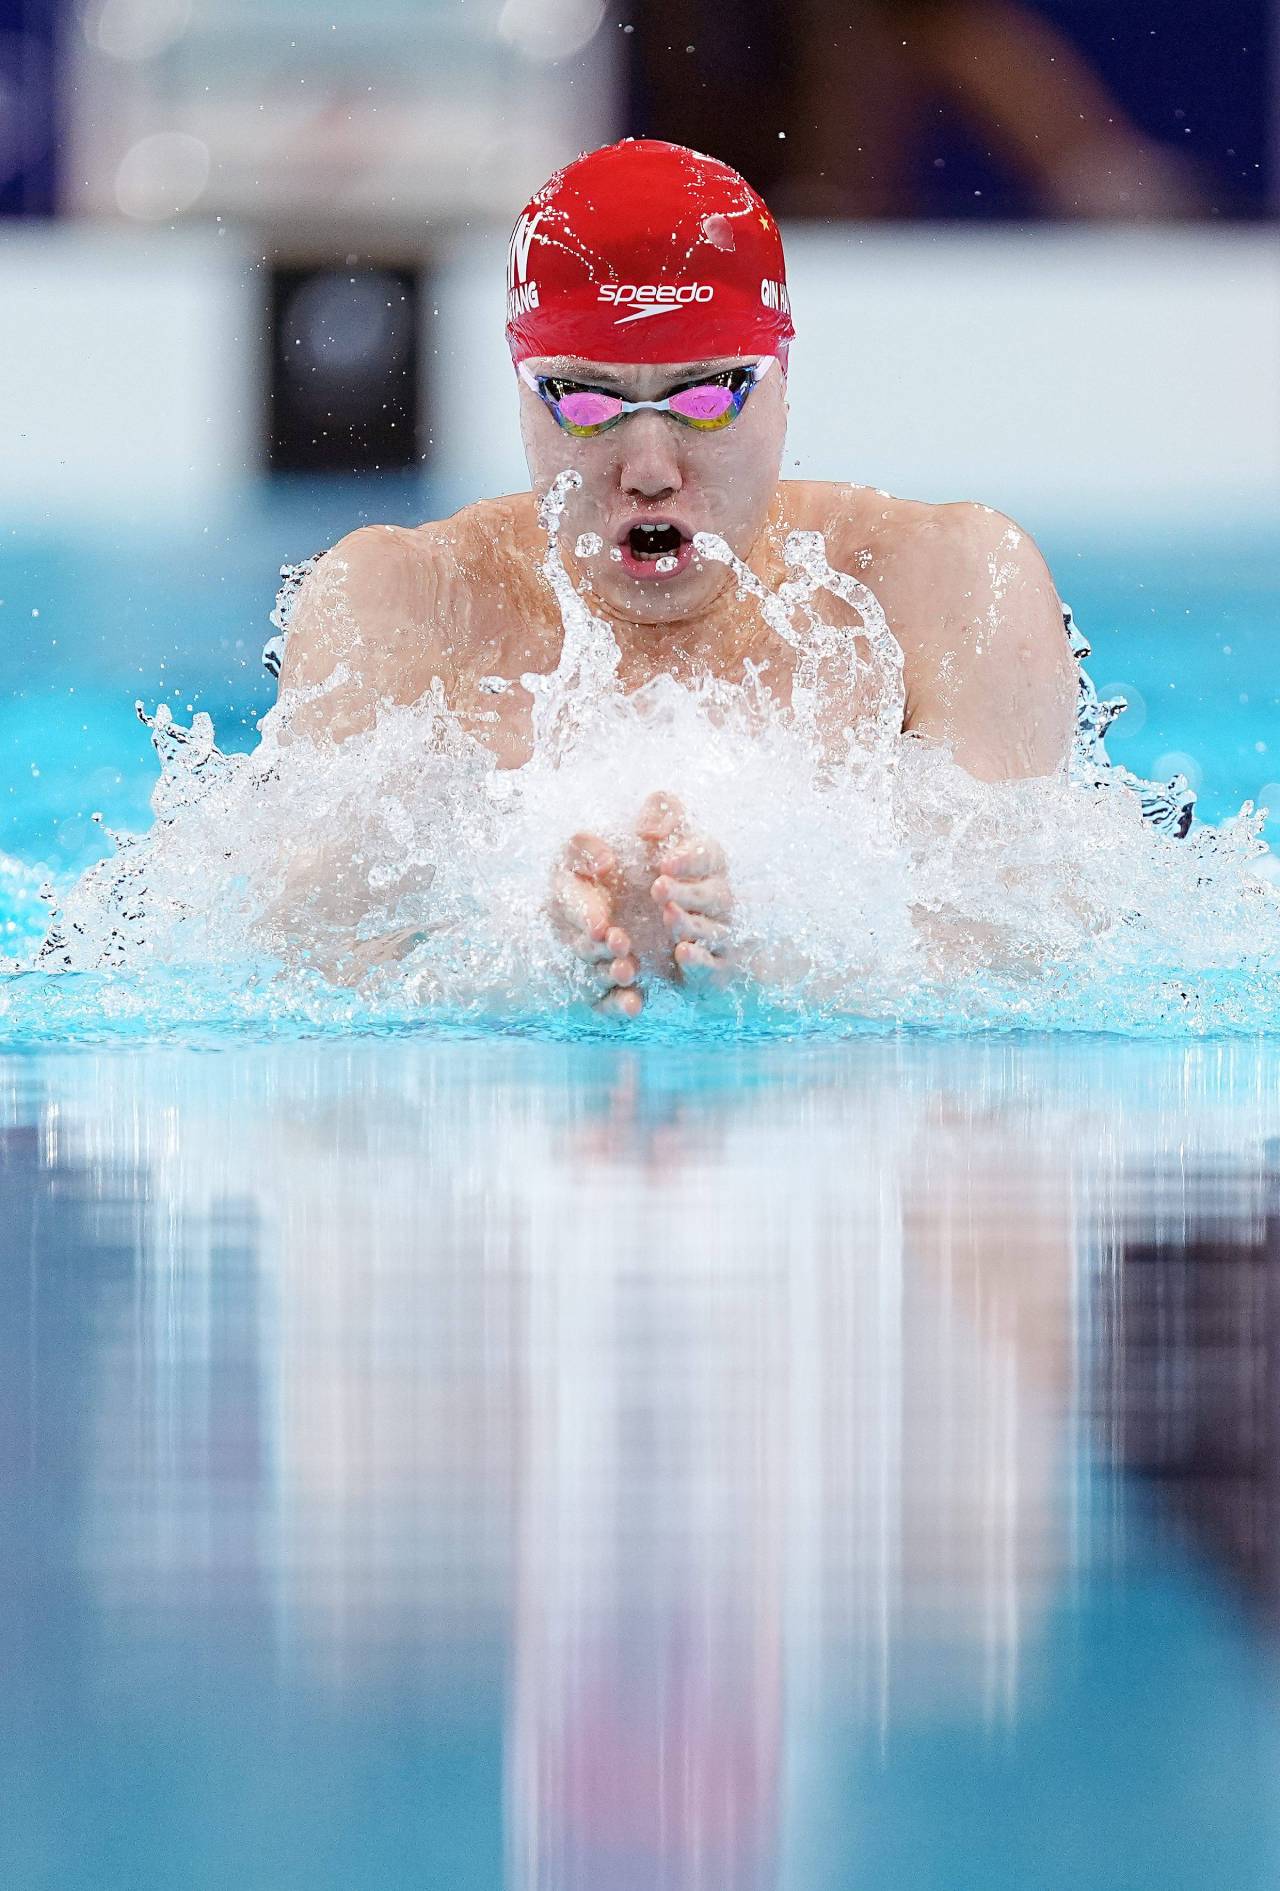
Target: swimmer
x=649 y=326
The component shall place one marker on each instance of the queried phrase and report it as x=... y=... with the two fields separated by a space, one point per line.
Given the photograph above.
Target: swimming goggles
x=706 y=404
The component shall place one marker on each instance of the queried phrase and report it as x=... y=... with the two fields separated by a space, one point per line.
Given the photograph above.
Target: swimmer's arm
x=992 y=677
x=997 y=688
x=364 y=634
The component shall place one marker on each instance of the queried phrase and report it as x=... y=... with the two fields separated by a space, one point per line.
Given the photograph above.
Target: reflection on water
x=557 y=1468
x=1192 y=1357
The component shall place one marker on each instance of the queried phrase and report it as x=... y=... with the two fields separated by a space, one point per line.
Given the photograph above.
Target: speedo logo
x=652 y=298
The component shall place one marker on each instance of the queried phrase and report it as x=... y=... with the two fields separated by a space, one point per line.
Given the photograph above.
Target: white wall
x=1077 y=374
x=1059 y=374
x=128 y=372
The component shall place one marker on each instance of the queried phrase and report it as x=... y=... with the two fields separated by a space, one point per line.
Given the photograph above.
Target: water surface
x=513 y=1465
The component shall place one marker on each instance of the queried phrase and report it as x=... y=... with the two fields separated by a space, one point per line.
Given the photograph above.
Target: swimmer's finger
x=699 y=969
x=366 y=954
x=569 y=900
x=613 y=972
x=590 y=951
x=587 y=854
x=626 y=1002
x=697 y=858
x=583 y=910
x=613 y=950
x=712 y=896
x=391 y=947
x=660 y=817
x=694 y=927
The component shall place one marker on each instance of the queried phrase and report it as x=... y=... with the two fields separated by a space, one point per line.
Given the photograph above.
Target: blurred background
x=251 y=296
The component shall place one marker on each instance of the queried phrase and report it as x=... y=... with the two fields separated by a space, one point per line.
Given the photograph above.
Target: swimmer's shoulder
x=486 y=560
x=396 y=592
x=859 y=519
x=869 y=533
x=909 y=546
x=406 y=565
x=872 y=519
x=937 y=567
x=486 y=537
x=362 y=598
x=499 y=607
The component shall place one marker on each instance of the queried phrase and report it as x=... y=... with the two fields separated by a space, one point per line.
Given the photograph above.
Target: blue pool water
x=509 y=1465
x=506 y=1466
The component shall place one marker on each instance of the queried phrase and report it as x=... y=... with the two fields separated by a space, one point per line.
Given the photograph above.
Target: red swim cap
x=645 y=252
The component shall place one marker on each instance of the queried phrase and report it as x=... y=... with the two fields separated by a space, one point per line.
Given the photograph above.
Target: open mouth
x=656 y=549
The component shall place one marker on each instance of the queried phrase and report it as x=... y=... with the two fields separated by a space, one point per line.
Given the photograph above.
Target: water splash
x=401 y=876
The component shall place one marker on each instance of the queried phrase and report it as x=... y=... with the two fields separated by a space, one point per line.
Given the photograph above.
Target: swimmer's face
x=652 y=469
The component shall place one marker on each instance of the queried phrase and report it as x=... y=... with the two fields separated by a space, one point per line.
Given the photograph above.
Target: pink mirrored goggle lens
x=702 y=403
x=588 y=409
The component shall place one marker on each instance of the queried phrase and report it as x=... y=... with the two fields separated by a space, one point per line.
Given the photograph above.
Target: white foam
x=873 y=877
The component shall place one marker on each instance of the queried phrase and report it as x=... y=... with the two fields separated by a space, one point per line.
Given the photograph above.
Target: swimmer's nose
x=650 y=466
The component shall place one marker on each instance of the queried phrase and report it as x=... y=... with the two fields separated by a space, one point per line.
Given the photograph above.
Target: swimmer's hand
x=350 y=961
x=691 y=890
x=387 y=949
x=585 y=884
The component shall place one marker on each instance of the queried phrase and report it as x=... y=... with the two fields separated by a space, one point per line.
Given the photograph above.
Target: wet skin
x=966 y=594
